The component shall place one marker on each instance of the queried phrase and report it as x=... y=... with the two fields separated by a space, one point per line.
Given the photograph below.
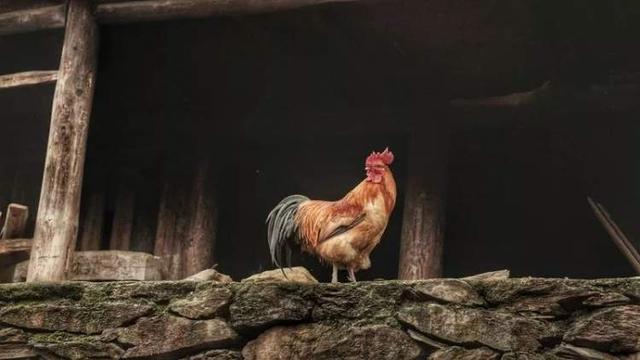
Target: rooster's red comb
x=386 y=157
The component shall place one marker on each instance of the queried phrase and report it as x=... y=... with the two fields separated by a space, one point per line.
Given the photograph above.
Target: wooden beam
x=422 y=234
x=41 y=18
x=153 y=10
x=619 y=238
x=16 y=5
x=12 y=246
x=15 y=221
x=58 y=212
x=28 y=78
x=13 y=251
x=108 y=265
x=118 y=11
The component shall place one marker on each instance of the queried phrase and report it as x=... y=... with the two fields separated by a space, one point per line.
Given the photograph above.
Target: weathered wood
x=24 y=18
x=151 y=10
x=41 y=18
x=423 y=220
x=93 y=222
x=199 y=244
x=12 y=246
x=57 y=220
x=28 y=78
x=16 y=5
x=108 y=265
x=145 y=218
x=122 y=227
x=616 y=234
x=15 y=221
x=172 y=225
x=13 y=251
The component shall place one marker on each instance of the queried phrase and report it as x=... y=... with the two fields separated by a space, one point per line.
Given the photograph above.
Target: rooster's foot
x=352 y=275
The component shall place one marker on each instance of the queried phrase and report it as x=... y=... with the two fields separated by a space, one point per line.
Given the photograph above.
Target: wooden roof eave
x=51 y=15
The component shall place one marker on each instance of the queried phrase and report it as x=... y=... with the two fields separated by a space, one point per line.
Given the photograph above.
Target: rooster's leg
x=334 y=274
x=352 y=275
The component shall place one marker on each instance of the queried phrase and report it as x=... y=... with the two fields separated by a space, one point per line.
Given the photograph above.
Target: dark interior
x=293 y=102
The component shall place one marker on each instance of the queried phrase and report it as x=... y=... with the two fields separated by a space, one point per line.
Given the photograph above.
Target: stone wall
x=437 y=319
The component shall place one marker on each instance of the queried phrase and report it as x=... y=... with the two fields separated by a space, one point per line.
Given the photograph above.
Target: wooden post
x=199 y=244
x=423 y=223
x=57 y=220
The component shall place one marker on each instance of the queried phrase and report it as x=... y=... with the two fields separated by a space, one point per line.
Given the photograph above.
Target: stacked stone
x=436 y=319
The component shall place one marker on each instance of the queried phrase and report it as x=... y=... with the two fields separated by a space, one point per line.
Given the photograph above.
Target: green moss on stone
x=41 y=291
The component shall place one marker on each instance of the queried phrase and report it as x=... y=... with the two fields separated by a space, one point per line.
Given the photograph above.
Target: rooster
x=342 y=233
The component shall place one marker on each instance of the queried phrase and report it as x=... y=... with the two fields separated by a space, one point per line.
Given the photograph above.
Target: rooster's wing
x=322 y=220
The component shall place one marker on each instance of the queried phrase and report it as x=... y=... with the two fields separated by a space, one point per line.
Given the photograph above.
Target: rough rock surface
x=257 y=307
x=316 y=341
x=506 y=319
x=450 y=291
x=73 y=317
x=497 y=330
x=205 y=303
x=210 y=275
x=166 y=336
x=297 y=274
x=459 y=353
x=216 y=355
x=615 y=330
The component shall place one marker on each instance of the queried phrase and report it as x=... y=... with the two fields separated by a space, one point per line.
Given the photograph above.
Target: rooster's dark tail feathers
x=282 y=227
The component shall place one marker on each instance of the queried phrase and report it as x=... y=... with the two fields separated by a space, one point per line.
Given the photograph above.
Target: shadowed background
x=293 y=102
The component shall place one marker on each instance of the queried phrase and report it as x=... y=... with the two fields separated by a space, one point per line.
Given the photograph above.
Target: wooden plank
x=172 y=226
x=153 y=10
x=93 y=221
x=122 y=226
x=16 y=5
x=145 y=218
x=58 y=212
x=422 y=233
x=41 y=18
x=24 y=18
x=12 y=246
x=107 y=265
x=15 y=222
x=200 y=241
x=28 y=78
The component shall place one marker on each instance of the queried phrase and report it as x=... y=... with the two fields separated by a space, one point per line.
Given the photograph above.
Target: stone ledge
x=527 y=318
